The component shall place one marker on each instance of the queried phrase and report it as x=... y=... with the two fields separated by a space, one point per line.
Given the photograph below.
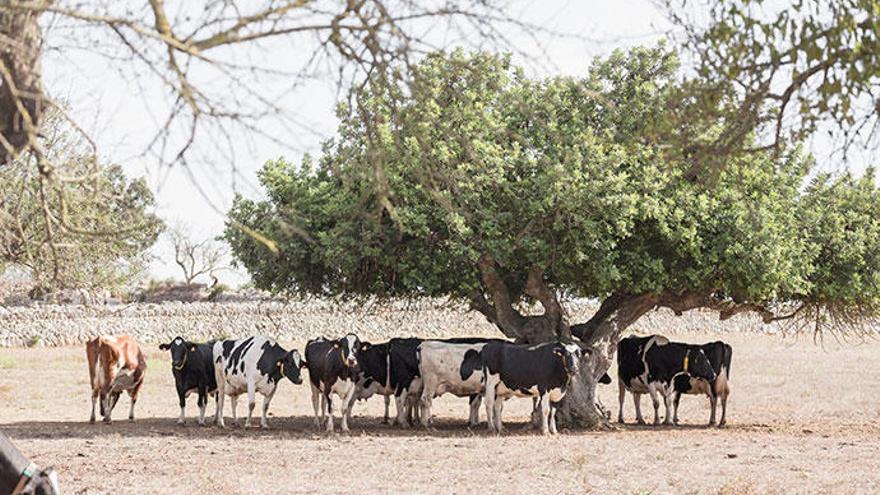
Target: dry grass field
x=803 y=419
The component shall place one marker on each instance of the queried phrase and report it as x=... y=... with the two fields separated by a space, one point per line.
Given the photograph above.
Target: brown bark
x=550 y=325
x=21 y=89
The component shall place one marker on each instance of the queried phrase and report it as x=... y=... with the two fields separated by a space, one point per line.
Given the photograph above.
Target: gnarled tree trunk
x=21 y=91
x=598 y=336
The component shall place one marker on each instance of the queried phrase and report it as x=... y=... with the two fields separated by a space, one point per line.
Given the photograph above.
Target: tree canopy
x=504 y=189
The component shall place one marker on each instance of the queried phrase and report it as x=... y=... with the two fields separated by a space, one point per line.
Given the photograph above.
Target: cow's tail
x=728 y=355
x=471 y=363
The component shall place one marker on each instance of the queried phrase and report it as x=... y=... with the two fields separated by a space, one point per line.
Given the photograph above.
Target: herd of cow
x=412 y=371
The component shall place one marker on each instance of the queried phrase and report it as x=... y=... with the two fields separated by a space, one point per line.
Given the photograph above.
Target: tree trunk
x=21 y=90
x=599 y=337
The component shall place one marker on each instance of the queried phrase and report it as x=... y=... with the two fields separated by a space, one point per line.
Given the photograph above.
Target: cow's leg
x=489 y=401
x=544 y=400
x=637 y=403
x=713 y=405
x=676 y=399
x=497 y=411
x=134 y=394
x=102 y=402
x=552 y=420
x=665 y=393
x=347 y=405
x=264 y=422
x=181 y=401
x=386 y=418
x=203 y=404
x=723 y=410
x=476 y=401
x=315 y=404
x=401 y=407
x=621 y=396
x=216 y=405
x=535 y=416
x=652 y=390
x=94 y=401
x=233 y=403
x=426 y=403
x=413 y=410
x=252 y=401
x=327 y=400
x=221 y=396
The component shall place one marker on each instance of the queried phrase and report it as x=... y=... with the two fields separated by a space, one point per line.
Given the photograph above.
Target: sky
x=118 y=110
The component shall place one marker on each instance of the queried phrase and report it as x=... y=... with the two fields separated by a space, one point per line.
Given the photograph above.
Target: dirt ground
x=802 y=420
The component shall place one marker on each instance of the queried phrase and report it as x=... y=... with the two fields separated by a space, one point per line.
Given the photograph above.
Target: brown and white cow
x=116 y=364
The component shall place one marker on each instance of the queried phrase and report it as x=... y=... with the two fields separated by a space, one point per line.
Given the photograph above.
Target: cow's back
x=440 y=363
x=108 y=355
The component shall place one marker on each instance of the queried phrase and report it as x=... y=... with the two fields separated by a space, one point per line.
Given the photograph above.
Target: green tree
x=483 y=185
x=80 y=224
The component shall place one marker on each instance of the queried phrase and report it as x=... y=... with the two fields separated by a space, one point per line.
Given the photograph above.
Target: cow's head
x=42 y=482
x=290 y=366
x=570 y=355
x=698 y=366
x=348 y=347
x=180 y=351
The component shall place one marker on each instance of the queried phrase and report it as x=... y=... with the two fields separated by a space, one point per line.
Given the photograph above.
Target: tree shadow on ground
x=279 y=427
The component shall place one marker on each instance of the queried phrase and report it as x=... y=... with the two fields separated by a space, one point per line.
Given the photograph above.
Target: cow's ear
x=164 y=347
x=303 y=364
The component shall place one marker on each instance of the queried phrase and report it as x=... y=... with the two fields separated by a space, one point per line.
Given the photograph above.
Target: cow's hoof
x=620 y=421
x=180 y=422
x=202 y=423
x=722 y=424
x=640 y=421
x=92 y=421
x=546 y=433
x=131 y=419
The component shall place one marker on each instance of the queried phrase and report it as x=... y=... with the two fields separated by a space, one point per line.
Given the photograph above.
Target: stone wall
x=54 y=325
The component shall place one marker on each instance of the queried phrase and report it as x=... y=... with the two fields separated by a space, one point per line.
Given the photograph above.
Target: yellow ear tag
x=685 y=364
x=192 y=349
x=281 y=367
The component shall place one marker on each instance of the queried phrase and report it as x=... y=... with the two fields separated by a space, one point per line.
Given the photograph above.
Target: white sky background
x=116 y=109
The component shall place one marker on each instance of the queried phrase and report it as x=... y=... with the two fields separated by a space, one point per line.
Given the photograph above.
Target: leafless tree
x=196 y=258
x=216 y=61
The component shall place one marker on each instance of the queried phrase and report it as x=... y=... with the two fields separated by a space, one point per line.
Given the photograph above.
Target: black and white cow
x=719 y=354
x=405 y=378
x=333 y=369
x=373 y=376
x=651 y=365
x=542 y=371
x=254 y=364
x=440 y=365
x=192 y=365
x=19 y=476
